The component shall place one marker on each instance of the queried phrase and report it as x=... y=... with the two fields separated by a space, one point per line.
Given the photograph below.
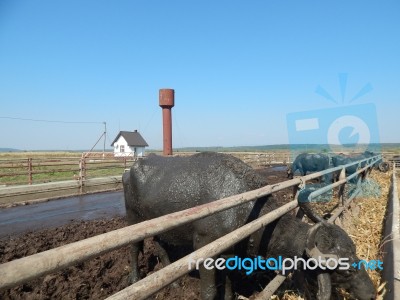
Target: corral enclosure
x=40 y=167
x=107 y=274
x=31 y=168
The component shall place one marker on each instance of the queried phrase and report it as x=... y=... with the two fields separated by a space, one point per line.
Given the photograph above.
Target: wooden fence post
x=30 y=170
x=296 y=191
x=82 y=173
x=342 y=187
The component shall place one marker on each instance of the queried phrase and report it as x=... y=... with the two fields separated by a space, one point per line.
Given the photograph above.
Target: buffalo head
x=329 y=241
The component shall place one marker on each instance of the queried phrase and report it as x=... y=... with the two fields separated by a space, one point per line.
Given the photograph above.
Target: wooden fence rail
x=30 y=170
x=151 y=284
x=263 y=159
x=31 y=267
x=40 y=170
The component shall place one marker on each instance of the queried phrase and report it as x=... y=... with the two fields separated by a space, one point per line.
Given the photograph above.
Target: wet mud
x=19 y=219
x=105 y=275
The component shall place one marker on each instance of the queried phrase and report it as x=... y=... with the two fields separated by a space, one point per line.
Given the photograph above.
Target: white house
x=128 y=143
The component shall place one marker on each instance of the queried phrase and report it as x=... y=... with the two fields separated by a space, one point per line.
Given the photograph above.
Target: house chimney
x=166 y=101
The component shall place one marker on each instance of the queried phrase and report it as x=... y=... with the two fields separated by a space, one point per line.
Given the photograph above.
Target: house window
x=122 y=148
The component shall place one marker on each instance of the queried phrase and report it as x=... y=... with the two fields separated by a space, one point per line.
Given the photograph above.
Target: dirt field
x=105 y=275
x=94 y=279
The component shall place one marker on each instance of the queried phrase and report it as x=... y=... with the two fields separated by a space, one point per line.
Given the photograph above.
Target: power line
x=148 y=123
x=180 y=134
x=51 y=121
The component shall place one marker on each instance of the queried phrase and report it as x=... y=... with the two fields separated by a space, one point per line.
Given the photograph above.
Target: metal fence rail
x=270 y=289
x=27 y=268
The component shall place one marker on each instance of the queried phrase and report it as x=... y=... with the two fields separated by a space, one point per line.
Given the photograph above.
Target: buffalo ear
x=324 y=286
x=311 y=245
x=311 y=236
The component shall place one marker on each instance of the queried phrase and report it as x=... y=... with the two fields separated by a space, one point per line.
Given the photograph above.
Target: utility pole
x=105 y=134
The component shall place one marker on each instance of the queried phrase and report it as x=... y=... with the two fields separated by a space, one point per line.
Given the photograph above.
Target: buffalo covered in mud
x=157 y=186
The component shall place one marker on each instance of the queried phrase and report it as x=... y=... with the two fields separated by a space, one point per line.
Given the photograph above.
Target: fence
x=392 y=158
x=96 y=164
x=40 y=170
x=391 y=244
x=255 y=159
x=27 y=268
x=263 y=159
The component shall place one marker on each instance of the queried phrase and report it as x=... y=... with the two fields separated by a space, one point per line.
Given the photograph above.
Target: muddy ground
x=107 y=274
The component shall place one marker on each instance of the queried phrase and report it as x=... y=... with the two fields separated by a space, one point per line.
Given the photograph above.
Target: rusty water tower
x=166 y=101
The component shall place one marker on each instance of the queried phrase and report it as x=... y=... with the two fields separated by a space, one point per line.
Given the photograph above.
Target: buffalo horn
x=324 y=286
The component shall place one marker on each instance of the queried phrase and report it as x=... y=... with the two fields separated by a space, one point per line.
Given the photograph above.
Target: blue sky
x=238 y=68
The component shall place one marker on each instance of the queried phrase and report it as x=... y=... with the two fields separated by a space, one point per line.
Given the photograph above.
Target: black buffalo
x=342 y=159
x=307 y=162
x=156 y=186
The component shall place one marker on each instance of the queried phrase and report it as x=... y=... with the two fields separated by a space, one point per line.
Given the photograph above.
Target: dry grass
x=365 y=228
x=368 y=226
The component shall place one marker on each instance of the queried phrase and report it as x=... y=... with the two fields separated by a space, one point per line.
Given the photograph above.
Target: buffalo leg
x=208 y=289
x=225 y=280
x=161 y=252
x=135 y=273
x=207 y=283
x=228 y=287
x=163 y=255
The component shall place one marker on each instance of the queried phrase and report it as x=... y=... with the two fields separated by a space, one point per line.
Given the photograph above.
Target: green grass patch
x=54 y=166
